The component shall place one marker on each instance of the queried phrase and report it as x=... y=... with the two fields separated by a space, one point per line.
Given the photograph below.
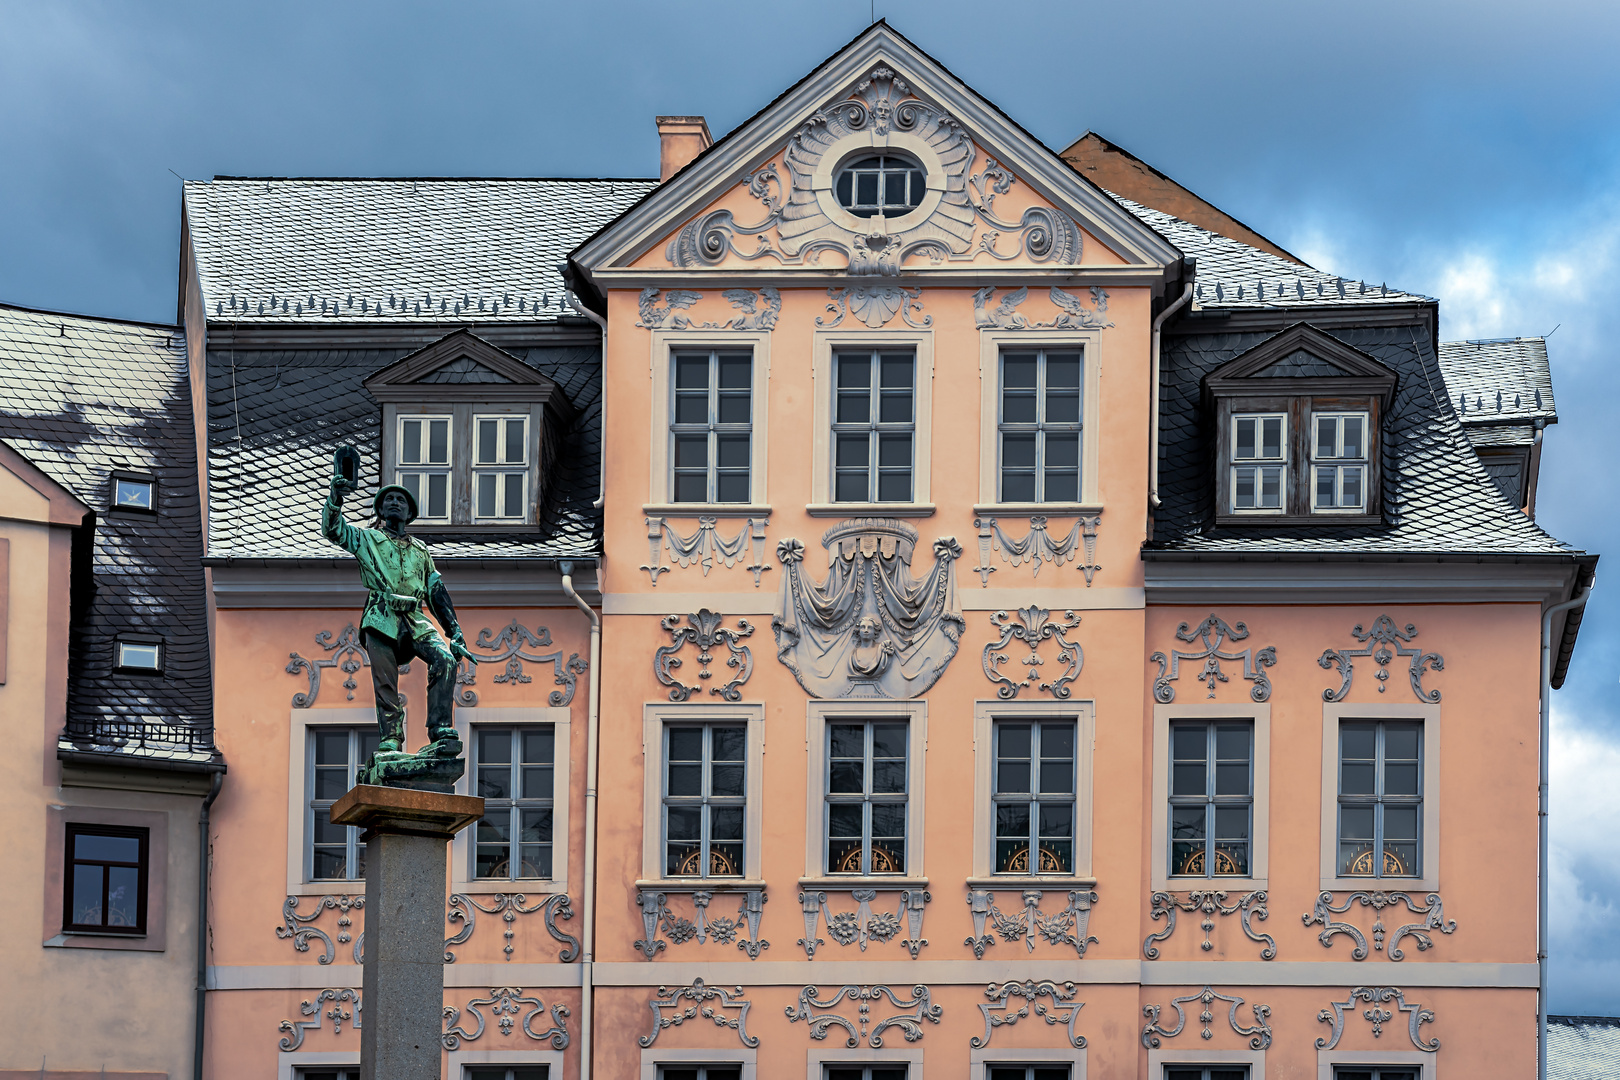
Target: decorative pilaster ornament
x=345 y=653
x=705 y=545
x=508 y=645
x=1213 y=632
x=1037 y=546
x=1209 y=904
x=505 y=1003
x=1258 y=1034
x=1376 y=998
x=863 y=1028
x=1383 y=643
x=690 y=1002
x=875 y=305
x=657 y=916
x=1034 y=626
x=751 y=316
x=998 y=1012
x=863 y=924
x=339 y=1014
x=704 y=630
x=870 y=630
x=1006 y=316
x=1432 y=910
x=464 y=909
x=1067 y=926
x=296 y=926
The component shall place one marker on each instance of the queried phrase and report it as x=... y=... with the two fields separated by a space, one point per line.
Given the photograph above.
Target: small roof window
x=134 y=493
x=139 y=655
x=886 y=184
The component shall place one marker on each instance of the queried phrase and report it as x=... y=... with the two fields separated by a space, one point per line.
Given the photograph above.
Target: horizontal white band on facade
x=1260 y=579
x=764 y=601
x=934 y=973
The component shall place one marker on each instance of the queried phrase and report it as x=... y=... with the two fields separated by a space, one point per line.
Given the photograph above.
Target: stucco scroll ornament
x=704 y=630
x=999 y=1011
x=1209 y=905
x=1066 y=926
x=1377 y=997
x=508 y=645
x=1213 y=632
x=1258 y=1033
x=296 y=926
x=1075 y=315
x=863 y=924
x=464 y=909
x=751 y=315
x=339 y=1014
x=870 y=630
x=1432 y=910
x=656 y=915
x=1383 y=643
x=690 y=1002
x=1037 y=546
x=864 y=998
x=505 y=1003
x=346 y=653
x=1034 y=626
x=875 y=305
x=705 y=545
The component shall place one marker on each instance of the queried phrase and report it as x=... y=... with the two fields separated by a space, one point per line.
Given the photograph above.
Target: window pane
x=1271 y=489
x=1326 y=431
x=734 y=408
x=107 y=848
x=726 y=781
x=1400 y=778
x=1057 y=777
x=895 y=486
x=1062 y=407
x=691 y=451
x=1325 y=486
x=1400 y=822
x=691 y=408
x=536 y=827
x=439 y=442
x=896 y=370
x=889 y=741
x=1057 y=820
x=1352 y=437
x=516 y=451
x=854 y=370
x=1018 y=408
x=86 y=905
x=1018 y=370
x=894 y=406
x=1243 y=489
x=894 y=451
x=538 y=782
x=1271 y=437
x=692 y=488
x=1350 y=492
x=488 y=439
x=1018 y=451
x=1244 y=440
x=733 y=451
x=486 y=494
x=410 y=438
x=1401 y=742
x=1062 y=451
x=514 y=495
x=1062 y=370
x=866 y=189
x=438 y=496
x=691 y=371
x=133 y=493
x=853 y=451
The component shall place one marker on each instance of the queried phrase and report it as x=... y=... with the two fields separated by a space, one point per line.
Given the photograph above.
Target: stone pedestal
x=403 y=999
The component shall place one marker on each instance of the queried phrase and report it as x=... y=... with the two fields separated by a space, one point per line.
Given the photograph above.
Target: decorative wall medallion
x=998 y=1012
x=1214 y=633
x=690 y=1002
x=1034 y=626
x=751 y=315
x=296 y=926
x=875 y=305
x=1005 y=315
x=704 y=546
x=1067 y=926
x=508 y=645
x=865 y=1027
x=464 y=909
x=871 y=630
x=505 y=1003
x=704 y=630
x=656 y=916
x=1037 y=546
x=1376 y=998
x=1209 y=904
x=346 y=653
x=863 y=924
x=1259 y=1034
x=1383 y=643
x=1432 y=910
x=339 y=1014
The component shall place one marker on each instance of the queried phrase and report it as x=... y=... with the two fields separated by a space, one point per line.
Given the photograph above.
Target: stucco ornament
x=865 y=998
x=705 y=546
x=1067 y=926
x=1213 y=632
x=1038 y=546
x=1034 y=626
x=684 y=1003
x=506 y=1004
x=1377 y=997
x=999 y=1011
x=1433 y=912
x=704 y=629
x=1258 y=1033
x=1209 y=904
x=464 y=909
x=870 y=630
x=338 y=1013
x=875 y=305
x=751 y=315
x=1074 y=313
x=1383 y=643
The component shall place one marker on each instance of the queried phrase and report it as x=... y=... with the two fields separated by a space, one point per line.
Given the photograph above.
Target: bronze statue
x=399 y=577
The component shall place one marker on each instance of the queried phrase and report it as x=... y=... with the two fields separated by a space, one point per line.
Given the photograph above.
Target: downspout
x=1546 y=739
x=601 y=477
x=592 y=739
x=1535 y=470
x=1153 y=409
x=214 y=782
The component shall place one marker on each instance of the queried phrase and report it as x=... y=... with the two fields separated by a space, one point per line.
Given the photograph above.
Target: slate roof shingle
x=1583 y=1047
x=1514 y=371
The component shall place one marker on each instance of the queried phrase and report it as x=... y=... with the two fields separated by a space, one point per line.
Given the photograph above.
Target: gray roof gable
x=1505 y=381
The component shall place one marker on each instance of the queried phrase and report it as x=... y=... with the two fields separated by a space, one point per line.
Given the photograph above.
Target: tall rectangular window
x=866 y=796
x=1211 y=798
x=1380 y=798
x=1206 y=1072
x=1034 y=797
x=335 y=754
x=705 y=798
x=1040 y=426
x=424 y=465
x=105 y=879
x=712 y=426
x=1028 y=1072
x=1259 y=462
x=1363 y=1072
x=700 y=1072
x=508 y=1072
x=874 y=426
x=500 y=467
x=864 y=1072
x=1339 y=462
x=514 y=767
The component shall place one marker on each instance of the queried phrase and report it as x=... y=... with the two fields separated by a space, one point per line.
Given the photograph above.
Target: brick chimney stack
x=680 y=139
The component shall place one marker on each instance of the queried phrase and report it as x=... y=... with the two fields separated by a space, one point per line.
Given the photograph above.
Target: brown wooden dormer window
x=1297 y=420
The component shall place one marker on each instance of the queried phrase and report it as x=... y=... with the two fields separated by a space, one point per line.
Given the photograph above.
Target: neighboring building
x=1503 y=393
x=104 y=684
x=1583 y=1047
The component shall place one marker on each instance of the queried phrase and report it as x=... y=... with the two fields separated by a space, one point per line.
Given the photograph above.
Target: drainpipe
x=214 y=782
x=592 y=739
x=1153 y=412
x=1541 y=907
x=1535 y=470
x=601 y=482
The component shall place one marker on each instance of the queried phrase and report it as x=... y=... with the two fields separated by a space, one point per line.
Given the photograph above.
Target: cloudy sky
x=1469 y=151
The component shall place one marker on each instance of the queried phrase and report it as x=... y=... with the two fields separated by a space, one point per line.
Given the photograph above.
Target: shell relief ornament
x=870 y=630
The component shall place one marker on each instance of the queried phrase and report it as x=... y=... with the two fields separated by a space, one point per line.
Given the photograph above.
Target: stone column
x=403 y=998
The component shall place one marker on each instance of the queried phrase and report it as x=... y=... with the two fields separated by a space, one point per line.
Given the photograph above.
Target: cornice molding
x=319 y=584
x=1204 y=578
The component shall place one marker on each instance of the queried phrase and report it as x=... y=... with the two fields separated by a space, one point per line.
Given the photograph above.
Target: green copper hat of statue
x=400 y=581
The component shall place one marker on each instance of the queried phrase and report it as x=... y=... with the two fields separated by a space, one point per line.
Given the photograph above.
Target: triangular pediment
x=767 y=197
x=1302 y=359
x=457 y=365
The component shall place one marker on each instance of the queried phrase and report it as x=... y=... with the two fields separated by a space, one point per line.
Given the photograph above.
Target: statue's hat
x=410 y=500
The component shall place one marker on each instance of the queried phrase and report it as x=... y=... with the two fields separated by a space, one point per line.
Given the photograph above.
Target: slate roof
x=81 y=397
x=1501 y=382
x=277 y=250
x=1583 y=1047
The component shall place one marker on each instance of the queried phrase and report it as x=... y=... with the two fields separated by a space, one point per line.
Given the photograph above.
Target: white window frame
x=523 y=468
x=1254 y=1059
x=298 y=779
x=1364 y=462
x=985 y=715
x=461 y=1059
x=660 y=471
x=290 y=1066
x=427 y=469
x=654 y=718
x=1429 y=847
x=824 y=343
x=652 y=1059
x=462 y=848
x=1159 y=864
x=817 y=1057
x=819 y=713
x=1258 y=461
x=992 y=343
x=1326 y=1060
x=981 y=1061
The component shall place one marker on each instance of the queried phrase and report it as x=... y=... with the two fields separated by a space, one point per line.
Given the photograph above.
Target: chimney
x=680 y=139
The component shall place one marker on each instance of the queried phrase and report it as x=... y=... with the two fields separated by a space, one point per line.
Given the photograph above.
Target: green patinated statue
x=399 y=577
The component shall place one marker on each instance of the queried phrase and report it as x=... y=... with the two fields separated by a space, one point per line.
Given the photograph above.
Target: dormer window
x=134 y=493
x=1339 y=463
x=1259 y=462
